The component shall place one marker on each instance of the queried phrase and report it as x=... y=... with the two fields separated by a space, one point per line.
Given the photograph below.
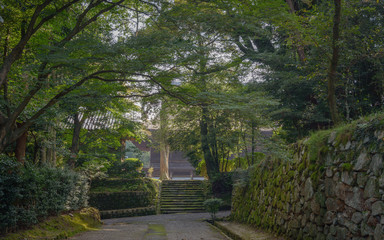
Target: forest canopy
x=211 y=73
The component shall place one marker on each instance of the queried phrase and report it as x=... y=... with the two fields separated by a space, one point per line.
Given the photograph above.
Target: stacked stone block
x=332 y=189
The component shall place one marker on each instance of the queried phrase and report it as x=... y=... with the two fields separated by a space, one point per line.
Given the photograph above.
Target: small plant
x=212 y=206
x=150 y=172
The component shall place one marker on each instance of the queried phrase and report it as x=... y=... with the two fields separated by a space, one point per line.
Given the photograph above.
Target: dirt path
x=188 y=226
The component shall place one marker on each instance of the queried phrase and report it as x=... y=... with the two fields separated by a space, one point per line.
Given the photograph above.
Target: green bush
x=29 y=193
x=130 y=168
x=124 y=184
x=222 y=185
x=120 y=200
x=212 y=206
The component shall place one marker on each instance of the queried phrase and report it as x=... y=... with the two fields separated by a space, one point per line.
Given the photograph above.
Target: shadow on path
x=182 y=226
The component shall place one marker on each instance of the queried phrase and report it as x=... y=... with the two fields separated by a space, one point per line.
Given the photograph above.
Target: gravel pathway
x=182 y=226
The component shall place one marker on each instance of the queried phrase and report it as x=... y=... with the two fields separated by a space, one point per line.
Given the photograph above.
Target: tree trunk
x=332 y=73
x=75 y=140
x=164 y=146
x=123 y=145
x=210 y=163
x=21 y=144
x=253 y=141
x=43 y=152
x=297 y=37
x=164 y=161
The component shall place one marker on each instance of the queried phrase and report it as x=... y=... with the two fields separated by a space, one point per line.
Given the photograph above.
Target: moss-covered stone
x=283 y=193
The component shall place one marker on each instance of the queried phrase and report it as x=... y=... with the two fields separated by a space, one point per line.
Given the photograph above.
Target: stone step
x=181 y=193
x=173 y=208
x=191 y=199
x=169 y=211
x=170 y=193
x=181 y=196
x=182 y=200
x=181 y=188
x=178 y=197
x=198 y=205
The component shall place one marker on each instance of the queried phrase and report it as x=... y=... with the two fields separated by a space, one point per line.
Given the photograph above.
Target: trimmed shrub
x=28 y=193
x=222 y=185
x=129 y=168
x=131 y=212
x=123 y=185
x=212 y=206
x=120 y=200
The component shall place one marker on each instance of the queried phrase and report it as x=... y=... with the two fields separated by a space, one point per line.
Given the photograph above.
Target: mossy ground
x=60 y=227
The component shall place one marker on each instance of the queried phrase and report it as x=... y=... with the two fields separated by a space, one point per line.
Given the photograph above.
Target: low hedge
x=28 y=194
x=132 y=212
x=123 y=184
x=120 y=200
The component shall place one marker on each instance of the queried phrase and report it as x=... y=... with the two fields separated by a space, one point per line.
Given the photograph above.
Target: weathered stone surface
x=365 y=230
x=320 y=236
x=362 y=178
x=378 y=208
x=355 y=199
x=308 y=189
x=330 y=237
x=371 y=189
x=340 y=219
x=362 y=162
x=352 y=227
x=312 y=230
x=332 y=230
x=332 y=137
x=379 y=135
x=329 y=187
x=368 y=203
x=372 y=221
x=329 y=172
x=315 y=206
x=352 y=203
x=294 y=224
x=348 y=145
x=341 y=233
x=357 y=217
x=381 y=181
x=336 y=177
x=331 y=205
x=319 y=221
x=379 y=232
x=342 y=190
x=329 y=217
x=348 y=212
x=347 y=177
x=376 y=165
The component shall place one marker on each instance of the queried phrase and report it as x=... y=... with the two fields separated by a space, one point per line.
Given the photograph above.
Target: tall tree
x=68 y=43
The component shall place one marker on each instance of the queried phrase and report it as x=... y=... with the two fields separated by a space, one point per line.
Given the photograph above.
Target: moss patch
x=61 y=227
x=156 y=231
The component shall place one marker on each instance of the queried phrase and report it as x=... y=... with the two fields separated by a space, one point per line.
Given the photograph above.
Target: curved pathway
x=182 y=226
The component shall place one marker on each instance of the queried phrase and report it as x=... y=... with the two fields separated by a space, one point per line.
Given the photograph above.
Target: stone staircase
x=181 y=196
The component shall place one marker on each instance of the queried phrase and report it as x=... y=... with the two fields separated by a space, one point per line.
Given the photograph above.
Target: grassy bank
x=60 y=227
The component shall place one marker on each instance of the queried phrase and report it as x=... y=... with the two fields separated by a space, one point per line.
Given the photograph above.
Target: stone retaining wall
x=333 y=188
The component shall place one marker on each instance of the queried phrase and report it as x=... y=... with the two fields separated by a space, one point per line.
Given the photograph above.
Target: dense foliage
x=29 y=194
x=79 y=78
